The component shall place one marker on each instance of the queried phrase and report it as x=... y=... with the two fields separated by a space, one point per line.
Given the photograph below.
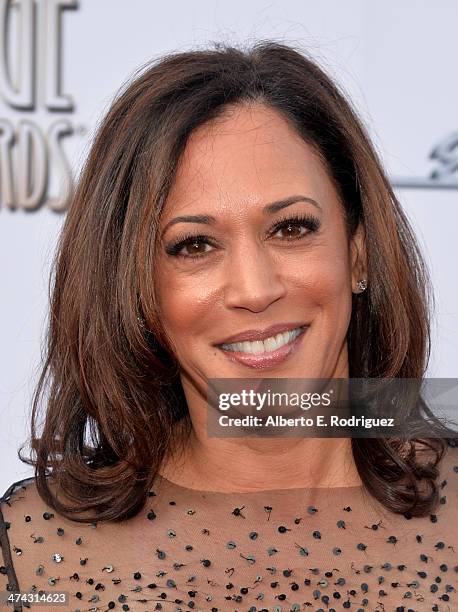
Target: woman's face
x=254 y=236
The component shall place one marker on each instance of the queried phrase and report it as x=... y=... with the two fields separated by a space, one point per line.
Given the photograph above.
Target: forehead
x=248 y=156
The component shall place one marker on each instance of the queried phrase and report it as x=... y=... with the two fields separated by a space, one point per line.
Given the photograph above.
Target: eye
x=190 y=246
x=293 y=230
x=194 y=246
x=296 y=227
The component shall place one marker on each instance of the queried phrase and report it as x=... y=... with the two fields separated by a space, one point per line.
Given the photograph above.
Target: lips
x=260 y=334
x=266 y=359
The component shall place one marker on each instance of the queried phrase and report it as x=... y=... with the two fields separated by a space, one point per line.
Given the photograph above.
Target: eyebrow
x=271 y=208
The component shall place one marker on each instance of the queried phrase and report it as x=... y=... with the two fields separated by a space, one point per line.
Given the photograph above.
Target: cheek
x=322 y=278
x=183 y=302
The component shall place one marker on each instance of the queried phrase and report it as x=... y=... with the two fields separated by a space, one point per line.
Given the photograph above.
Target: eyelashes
x=191 y=240
x=311 y=222
x=293 y=222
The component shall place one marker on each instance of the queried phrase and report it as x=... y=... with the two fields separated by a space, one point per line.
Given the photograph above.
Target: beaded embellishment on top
x=282 y=550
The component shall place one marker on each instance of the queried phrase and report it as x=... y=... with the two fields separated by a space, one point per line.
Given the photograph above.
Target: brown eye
x=292 y=230
x=195 y=248
x=295 y=227
x=191 y=247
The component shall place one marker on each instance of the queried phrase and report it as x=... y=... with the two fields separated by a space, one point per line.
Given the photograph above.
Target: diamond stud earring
x=362 y=285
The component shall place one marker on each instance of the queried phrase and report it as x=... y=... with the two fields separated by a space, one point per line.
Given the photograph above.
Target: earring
x=362 y=285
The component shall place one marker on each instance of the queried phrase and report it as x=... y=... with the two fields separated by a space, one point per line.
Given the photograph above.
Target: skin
x=248 y=277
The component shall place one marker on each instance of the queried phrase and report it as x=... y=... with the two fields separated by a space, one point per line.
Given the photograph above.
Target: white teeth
x=264 y=346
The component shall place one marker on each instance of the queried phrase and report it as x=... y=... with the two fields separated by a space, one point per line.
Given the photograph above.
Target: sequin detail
x=322 y=550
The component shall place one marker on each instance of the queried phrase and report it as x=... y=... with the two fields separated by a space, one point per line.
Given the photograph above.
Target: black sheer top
x=283 y=550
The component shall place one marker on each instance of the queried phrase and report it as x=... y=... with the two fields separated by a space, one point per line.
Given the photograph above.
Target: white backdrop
x=395 y=60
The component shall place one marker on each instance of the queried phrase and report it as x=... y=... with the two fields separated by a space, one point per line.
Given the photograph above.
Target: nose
x=253 y=280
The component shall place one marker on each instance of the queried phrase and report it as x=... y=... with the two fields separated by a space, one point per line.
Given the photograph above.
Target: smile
x=264 y=346
x=267 y=352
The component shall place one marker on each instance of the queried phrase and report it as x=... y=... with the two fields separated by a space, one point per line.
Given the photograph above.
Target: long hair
x=110 y=380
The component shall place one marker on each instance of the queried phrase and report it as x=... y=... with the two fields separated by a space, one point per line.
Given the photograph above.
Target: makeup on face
x=254 y=273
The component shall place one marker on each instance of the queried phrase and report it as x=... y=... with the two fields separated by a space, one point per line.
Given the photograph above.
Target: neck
x=259 y=463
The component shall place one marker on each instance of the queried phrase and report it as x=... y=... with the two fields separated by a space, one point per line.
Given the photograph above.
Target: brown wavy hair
x=110 y=380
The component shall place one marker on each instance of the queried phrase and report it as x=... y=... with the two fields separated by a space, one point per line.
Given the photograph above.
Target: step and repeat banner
x=63 y=61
